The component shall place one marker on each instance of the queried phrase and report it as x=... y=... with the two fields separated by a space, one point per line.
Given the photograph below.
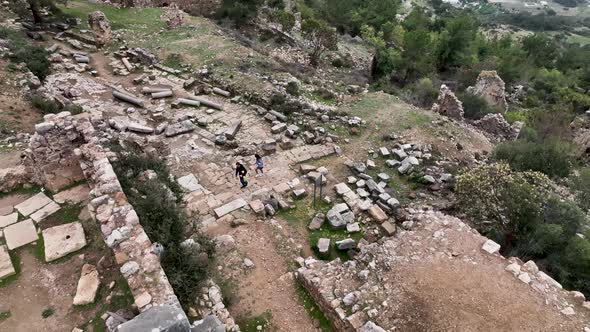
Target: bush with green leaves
x=520 y=211
x=553 y=158
x=498 y=198
x=156 y=203
x=46 y=106
x=580 y=185
x=35 y=57
x=239 y=11
x=285 y=19
x=474 y=106
x=422 y=93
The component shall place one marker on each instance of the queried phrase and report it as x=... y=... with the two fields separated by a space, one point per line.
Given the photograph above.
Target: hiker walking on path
x=259 y=165
x=241 y=173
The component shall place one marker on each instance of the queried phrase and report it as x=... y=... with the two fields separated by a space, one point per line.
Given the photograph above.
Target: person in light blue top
x=259 y=165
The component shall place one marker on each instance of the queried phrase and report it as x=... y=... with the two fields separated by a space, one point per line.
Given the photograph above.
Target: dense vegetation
x=521 y=211
x=156 y=202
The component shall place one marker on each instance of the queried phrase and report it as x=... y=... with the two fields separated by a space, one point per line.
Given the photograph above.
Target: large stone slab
x=8 y=220
x=75 y=195
x=6 y=210
x=230 y=207
x=377 y=213
x=62 y=240
x=163 y=318
x=6 y=267
x=189 y=183
x=45 y=212
x=33 y=204
x=20 y=234
x=179 y=128
x=87 y=285
x=232 y=130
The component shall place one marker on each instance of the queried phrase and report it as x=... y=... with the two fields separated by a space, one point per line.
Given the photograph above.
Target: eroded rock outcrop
x=491 y=88
x=448 y=104
x=101 y=27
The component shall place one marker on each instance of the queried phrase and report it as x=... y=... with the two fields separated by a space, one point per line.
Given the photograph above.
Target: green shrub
x=156 y=204
x=239 y=11
x=286 y=19
x=292 y=88
x=45 y=106
x=553 y=158
x=36 y=59
x=580 y=185
x=422 y=93
x=474 y=106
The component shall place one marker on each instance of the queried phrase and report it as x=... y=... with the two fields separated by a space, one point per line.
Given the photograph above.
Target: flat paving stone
x=6 y=210
x=20 y=234
x=75 y=195
x=45 y=212
x=189 y=183
x=6 y=267
x=62 y=240
x=8 y=220
x=230 y=207
x=33 y=204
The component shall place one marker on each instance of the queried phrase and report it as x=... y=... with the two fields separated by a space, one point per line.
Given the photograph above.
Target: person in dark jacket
x=241 y=172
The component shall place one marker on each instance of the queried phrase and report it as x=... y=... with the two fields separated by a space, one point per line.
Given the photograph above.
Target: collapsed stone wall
x=50 y=157
x=366 y=291
x=63 y=140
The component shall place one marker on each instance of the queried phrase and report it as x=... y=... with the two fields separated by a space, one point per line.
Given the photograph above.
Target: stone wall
x=50 y=157
x=64 y=148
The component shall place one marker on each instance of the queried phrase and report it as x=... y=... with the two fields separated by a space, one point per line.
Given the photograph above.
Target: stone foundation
x=64 y=150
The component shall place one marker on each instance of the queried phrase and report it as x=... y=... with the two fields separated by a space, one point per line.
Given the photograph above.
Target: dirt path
x=270 y=285
x=38 y=287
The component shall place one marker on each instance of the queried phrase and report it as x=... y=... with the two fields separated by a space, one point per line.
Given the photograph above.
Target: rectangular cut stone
x=4 y=211
x=62 y=240
x=230 y=207
x=45 y=212
x=20 y=234
x=377 y=213
x=33 y=204
x=6 y=267
x=281 y=188
x=189 y=183
x=257 y=206
x=232 y=131
x=8 y=220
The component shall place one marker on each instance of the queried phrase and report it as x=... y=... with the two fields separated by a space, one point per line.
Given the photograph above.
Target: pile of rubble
x=366 y=292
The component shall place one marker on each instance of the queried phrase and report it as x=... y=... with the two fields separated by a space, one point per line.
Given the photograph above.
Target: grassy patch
x=139 y=20
x=47 y=312
x=68 y=213
x=312 y=308
x=16 y=263
x=304 y=210
x=38 y=249
x=251 y=324
x=413 y=119
x=4 y=315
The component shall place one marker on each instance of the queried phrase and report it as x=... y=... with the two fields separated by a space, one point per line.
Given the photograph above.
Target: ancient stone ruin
x=490 y=87
x=448 y=104
x=99 y=23
x=495 y=124
x=174 y=17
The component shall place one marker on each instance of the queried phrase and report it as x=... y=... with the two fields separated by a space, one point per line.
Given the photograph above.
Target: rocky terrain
x=347 y=229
